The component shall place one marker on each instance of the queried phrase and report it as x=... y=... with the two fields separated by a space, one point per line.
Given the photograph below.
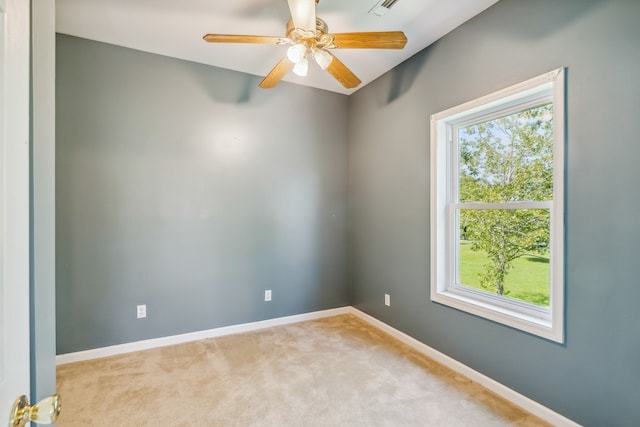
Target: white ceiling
x=175 y=28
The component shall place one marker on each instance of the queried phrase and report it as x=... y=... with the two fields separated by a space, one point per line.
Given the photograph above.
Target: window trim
x=540 y=321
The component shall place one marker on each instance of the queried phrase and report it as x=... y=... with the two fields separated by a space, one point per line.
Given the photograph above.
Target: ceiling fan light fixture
x=307 y=35
x=301 y=67
x=323 y=58
x=297 y=53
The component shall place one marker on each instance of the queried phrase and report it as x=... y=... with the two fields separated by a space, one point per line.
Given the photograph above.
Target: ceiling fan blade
x=232 y=38
x=370 y=40
x=303 y=14
x=278 y=72
x=342 y=74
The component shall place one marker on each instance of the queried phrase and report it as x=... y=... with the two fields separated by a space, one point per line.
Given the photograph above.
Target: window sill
x=541 y=326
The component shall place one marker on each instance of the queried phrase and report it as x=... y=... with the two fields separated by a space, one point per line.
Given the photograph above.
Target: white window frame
x=546 y=322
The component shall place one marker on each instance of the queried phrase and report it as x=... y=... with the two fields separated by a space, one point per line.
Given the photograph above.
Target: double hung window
x=497 y=206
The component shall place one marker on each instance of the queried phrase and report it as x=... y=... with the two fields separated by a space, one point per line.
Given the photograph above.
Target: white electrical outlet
x=267 y=295
x=141 y=311
x=387 y=300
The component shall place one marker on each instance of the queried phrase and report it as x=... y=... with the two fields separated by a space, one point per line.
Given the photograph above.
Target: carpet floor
x=337 y=371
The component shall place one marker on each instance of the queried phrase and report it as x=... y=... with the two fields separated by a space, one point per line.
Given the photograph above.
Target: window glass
x=507 y=159
x=505 y=252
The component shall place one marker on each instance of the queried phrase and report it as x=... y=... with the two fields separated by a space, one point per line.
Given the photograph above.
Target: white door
x=14 y=203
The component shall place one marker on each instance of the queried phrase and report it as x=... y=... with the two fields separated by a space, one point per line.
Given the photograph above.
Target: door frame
x=43 y=271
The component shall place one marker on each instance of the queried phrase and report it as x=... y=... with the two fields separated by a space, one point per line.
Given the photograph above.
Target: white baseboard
x=501 y=390
x=511 y=395
x=114 y=350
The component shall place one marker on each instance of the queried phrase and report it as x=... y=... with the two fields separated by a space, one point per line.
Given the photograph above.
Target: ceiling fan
x=307 y=36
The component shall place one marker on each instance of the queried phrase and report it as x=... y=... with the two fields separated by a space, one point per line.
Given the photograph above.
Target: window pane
x=507 y=159
x=505 y=252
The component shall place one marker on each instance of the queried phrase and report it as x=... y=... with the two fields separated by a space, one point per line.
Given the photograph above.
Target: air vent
x=382 y=7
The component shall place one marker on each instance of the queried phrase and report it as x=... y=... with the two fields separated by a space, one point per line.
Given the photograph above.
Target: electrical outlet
x=387 y=300
x=141 y=311
x=267 y=295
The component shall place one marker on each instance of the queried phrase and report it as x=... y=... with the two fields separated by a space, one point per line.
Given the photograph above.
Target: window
x=497 y=235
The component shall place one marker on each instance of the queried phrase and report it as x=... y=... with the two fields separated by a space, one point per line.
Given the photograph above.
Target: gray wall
x=593 y=377
x=187 y=188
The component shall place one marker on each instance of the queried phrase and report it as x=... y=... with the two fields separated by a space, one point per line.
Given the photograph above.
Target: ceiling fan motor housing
x=321 y=26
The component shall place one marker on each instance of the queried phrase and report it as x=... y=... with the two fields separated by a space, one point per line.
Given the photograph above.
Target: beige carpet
x=337 y=371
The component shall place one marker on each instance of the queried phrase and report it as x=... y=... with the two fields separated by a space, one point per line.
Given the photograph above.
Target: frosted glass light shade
x=323 y=58
x=297 y=53
x=301 y=67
